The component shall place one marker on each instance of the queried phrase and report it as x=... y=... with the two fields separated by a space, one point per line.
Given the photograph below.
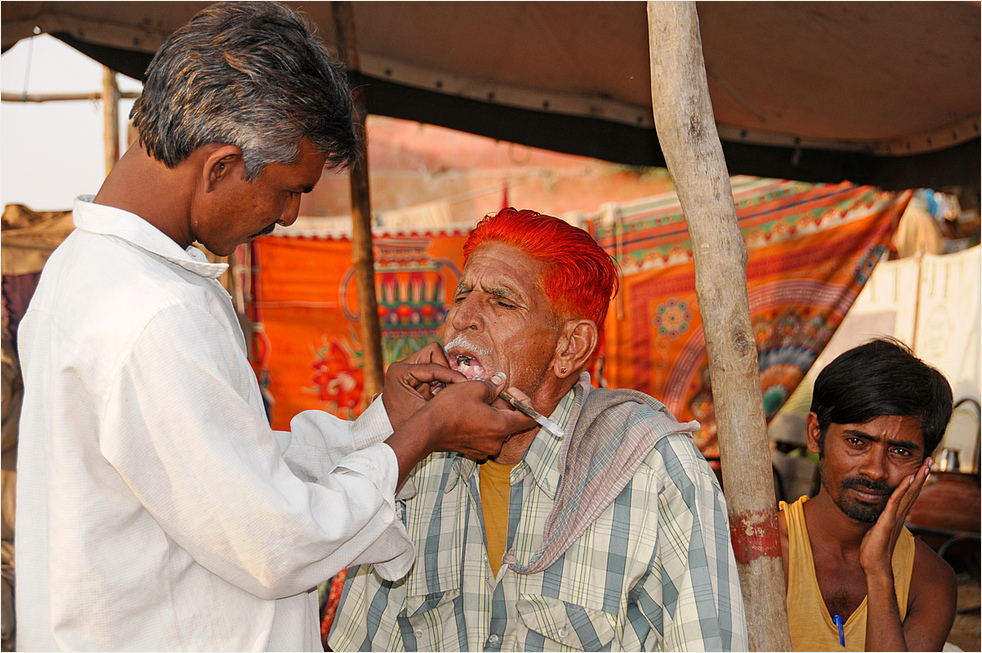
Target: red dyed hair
x=580 y=277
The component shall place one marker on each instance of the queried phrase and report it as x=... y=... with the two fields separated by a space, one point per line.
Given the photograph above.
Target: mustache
x=267 y=231
x=461 y=340
x=881 y=487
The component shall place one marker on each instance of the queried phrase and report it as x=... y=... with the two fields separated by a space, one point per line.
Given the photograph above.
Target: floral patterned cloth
x=811 y=248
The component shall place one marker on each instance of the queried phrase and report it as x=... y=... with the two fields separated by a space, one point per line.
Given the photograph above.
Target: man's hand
x=931 y=606
x=460 y=418
x=411 y=382
x=470 y=425
x=876 y=551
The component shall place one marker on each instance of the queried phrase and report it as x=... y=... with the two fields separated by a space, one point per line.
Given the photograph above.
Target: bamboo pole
x=361 y=215
x=686 y=129
x=110 y=117
x=63 y=97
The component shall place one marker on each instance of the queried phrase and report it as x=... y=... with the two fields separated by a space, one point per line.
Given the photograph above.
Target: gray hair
x=249 y=74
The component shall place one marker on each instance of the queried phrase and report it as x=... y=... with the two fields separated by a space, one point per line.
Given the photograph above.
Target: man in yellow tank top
x=856 y=578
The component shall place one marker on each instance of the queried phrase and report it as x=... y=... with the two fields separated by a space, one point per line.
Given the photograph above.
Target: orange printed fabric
x=811 y=248
x=307 y=350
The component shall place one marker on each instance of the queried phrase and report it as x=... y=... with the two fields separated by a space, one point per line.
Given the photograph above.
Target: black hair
x=882 y=377
x=250 y=74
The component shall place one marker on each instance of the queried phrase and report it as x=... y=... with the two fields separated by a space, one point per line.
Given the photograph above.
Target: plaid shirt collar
x=542 y=456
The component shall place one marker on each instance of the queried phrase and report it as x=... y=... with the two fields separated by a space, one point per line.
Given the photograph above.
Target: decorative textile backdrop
x=307 y=349
x=811 y=248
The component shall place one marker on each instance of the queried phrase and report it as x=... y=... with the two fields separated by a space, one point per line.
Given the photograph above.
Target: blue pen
x=837 y=620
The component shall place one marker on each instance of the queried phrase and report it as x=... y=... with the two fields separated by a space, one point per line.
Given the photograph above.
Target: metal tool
x=546 y=423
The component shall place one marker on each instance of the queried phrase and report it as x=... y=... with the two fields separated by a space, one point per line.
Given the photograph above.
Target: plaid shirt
x=654 y=572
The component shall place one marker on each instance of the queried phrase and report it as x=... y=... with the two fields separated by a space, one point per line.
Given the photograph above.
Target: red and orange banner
x=811 y=247
x=308 y=348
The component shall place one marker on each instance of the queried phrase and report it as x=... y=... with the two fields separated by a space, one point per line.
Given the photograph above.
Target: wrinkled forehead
x=893 y=430
x=503 y=268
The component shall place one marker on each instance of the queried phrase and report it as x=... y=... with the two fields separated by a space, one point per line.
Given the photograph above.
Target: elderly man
x=157 y=510
x=611 y=537
x=857 y=579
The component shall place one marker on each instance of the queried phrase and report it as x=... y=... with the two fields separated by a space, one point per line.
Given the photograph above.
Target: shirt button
x=418 y=632
x=562 y=632
x=493 y=639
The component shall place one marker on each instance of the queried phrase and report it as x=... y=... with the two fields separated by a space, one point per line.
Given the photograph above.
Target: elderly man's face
x=501 y=320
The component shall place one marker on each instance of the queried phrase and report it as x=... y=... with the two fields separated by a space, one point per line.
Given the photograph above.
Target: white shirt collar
x=111 y=221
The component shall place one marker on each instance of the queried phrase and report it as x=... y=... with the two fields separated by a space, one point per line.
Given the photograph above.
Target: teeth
x=469 y=366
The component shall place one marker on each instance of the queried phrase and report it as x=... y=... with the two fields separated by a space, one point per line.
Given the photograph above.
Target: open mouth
x=468 y=366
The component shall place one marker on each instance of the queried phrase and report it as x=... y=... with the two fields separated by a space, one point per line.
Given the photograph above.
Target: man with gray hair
x=157 y=508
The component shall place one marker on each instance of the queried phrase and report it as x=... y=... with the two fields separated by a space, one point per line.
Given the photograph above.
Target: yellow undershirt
x=809 y=619
x=495 y=483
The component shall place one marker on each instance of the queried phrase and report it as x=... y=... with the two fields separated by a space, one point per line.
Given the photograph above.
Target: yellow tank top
x=809 y=620
x=495 y=484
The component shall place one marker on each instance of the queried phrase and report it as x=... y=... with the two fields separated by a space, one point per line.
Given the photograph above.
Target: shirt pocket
x=428 y=622
x=569 y=624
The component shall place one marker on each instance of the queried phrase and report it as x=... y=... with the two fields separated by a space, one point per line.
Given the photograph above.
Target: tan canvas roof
x=825 y=89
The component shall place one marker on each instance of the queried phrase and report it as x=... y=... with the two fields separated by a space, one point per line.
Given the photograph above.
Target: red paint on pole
x=755 y=534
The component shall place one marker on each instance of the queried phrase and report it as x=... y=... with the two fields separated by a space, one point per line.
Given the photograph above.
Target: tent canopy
x=876 y=93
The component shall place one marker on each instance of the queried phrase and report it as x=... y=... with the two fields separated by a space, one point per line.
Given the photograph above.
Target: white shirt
x=157 y=510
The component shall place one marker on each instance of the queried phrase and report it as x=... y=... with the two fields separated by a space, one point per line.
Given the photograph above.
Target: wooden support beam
x=110 y=117
x=63 y=97
x=361 y=215
x=686 y=129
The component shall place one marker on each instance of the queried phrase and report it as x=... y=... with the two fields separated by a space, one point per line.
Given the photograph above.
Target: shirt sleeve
x=184 y=428
x=318 y=440
x=691 y=597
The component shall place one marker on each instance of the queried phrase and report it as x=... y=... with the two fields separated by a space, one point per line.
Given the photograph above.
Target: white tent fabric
x=939 y=319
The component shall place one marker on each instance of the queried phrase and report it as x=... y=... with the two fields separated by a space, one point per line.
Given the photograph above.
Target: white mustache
x=460 y=340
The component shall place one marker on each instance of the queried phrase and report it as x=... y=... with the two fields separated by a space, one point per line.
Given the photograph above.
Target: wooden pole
x=686 y=128
x=110 y=117
x=361 y=215
x=63 y=97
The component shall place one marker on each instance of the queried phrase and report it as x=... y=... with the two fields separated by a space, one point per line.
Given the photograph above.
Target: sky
x=51 y=152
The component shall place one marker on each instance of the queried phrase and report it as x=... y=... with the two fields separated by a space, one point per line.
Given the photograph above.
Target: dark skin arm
x=433 y=408
x=410 y=383
x=931 y=604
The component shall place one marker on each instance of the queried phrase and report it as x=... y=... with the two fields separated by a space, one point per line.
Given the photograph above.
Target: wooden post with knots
x=686 y=129
x=362 y=254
